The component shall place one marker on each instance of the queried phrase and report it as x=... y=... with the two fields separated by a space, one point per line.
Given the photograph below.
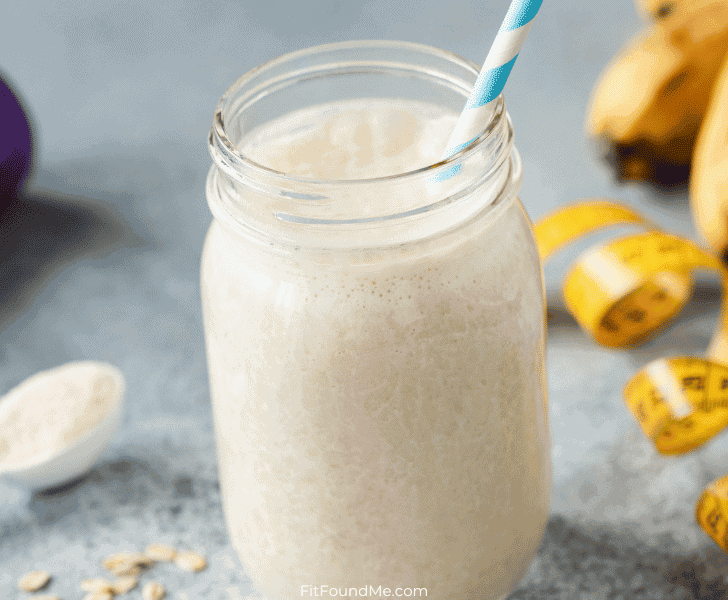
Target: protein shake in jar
x=375 y=330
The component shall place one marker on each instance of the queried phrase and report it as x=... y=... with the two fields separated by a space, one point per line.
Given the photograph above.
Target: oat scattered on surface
x=126 y=563
x=33 y=581
x=98 y=596
x=125 y=569
x=127 y=558
x=190 y=561
x=160 y=552
x=97 y=584
x=124 y=584
x=153 y=591
x=127 y=566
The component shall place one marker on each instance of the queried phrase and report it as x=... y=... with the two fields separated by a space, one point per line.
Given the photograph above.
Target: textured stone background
x=100 y=260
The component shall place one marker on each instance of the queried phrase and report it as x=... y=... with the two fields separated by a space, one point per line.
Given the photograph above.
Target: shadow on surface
x=669 y=196
x=108 y=485
x=559 y=316
x=578 y=561
x=124 y=482
x=42 y=234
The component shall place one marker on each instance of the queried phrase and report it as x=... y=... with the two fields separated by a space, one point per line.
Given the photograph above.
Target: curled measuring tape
x=711 y=511
x=622 y=292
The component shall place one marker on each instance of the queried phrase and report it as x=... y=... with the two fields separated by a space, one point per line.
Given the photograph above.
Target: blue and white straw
x=493 y=75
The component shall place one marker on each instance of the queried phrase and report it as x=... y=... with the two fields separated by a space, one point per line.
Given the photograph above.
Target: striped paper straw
x=493 y=75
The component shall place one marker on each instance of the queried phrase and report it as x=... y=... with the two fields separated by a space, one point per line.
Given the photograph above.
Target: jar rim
x=220 y=141
x=291 y=210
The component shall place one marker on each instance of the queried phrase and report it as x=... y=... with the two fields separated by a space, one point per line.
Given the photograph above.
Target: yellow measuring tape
x=622 y=292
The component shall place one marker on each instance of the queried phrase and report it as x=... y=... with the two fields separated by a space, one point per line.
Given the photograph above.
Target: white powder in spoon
x=53 y=409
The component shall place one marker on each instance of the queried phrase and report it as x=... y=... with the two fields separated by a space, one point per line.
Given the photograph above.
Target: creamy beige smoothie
x=379 y=423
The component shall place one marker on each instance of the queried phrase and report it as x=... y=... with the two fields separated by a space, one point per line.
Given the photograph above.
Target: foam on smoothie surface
x=354 y=139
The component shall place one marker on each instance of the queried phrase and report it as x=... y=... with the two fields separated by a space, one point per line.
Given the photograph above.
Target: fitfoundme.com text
x=371 y=591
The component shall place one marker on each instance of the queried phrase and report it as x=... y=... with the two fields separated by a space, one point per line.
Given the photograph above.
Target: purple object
x=15 y=145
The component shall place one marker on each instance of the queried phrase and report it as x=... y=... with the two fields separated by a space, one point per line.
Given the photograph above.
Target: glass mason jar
x=376 y=347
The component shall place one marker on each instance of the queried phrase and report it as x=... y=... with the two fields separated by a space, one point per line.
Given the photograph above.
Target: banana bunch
x=661 y=107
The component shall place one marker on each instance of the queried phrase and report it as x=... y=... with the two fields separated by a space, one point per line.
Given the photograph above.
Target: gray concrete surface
x=100 y=260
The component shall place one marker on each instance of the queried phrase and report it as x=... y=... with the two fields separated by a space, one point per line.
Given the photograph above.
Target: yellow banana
x=650 y=101
x=709 y=179
x=630 y=103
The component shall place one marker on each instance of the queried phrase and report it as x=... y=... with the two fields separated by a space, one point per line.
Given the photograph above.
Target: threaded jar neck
x=290 y=210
